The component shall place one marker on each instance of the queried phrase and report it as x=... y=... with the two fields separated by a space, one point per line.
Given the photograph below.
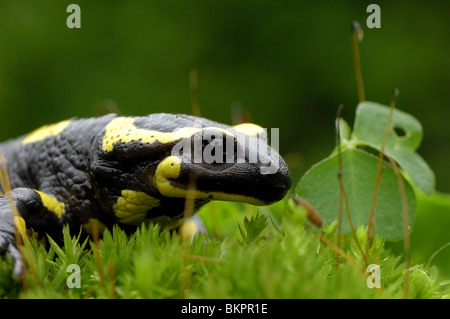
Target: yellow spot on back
x=122 y=129
x=132 y=206
x=94 y=222
x=45 y=131
x=52 y=204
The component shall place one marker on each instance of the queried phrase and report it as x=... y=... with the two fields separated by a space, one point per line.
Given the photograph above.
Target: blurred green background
x=288 y=63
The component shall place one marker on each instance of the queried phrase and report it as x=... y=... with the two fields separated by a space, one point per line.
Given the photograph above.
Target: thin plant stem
x=95 y=238
x=356 y=35
x=340 y=252
x=343 y=194
x=406 y=239
x=189 y=203
x=371 y=226
x=193 y=85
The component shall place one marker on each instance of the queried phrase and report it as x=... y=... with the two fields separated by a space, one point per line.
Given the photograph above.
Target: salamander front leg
x=33 y=209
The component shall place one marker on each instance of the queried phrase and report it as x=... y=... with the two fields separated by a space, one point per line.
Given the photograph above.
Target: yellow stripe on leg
x=52 y=204
x=21 y=226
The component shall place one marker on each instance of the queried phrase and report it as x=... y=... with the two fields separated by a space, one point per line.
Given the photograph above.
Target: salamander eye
x=219 y=149
x=213 y=149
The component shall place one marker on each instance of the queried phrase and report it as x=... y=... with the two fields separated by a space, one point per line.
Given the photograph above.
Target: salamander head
x=178 y=156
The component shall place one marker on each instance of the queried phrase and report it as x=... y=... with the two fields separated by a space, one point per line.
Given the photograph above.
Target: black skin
x=73 y=168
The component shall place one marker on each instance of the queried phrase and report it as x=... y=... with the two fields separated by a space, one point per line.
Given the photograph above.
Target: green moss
x=284 y=261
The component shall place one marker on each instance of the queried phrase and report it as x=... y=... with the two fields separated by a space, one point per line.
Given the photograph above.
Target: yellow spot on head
x=249 y=129
x=45 y=131
x=122 y=129
x=132 y=206
x=52 y=204
x=170 y=168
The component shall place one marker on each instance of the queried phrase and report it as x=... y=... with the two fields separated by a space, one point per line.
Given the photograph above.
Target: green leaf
x=320 y=186
x=344 y=130
x=404 y=138
x=253 y=228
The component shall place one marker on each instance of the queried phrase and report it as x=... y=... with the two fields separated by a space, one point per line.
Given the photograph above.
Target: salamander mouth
x=220 y=168
x=235 y=180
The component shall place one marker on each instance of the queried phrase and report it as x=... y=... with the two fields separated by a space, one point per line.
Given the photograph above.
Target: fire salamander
x=127 y=171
